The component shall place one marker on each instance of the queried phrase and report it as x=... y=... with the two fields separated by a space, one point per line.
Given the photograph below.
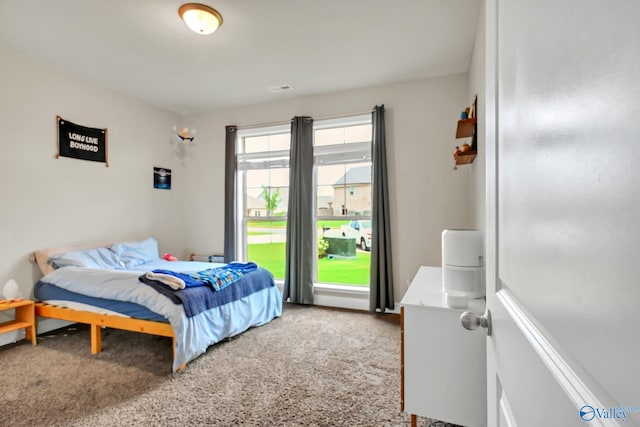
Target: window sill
x=341 y=289
x=341 y=296
x=333 y=288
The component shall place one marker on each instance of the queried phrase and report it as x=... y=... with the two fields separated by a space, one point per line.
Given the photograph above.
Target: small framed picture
x=162 y=178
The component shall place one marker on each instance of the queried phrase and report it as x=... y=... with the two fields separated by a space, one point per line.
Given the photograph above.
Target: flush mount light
x=201 y=18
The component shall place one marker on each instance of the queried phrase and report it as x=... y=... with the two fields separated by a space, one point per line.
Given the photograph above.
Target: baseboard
x=48 y=325
x=396 y=308
x=44 y=326
x=11 y=337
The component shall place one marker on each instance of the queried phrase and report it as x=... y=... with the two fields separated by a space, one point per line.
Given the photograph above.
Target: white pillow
x=133 y=254
x=101 y=258
x=41 y=257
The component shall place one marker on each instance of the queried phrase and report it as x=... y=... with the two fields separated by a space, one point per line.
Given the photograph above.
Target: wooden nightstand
x=25 y=318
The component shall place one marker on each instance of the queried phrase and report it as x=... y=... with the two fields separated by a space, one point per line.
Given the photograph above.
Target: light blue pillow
x=133 y=254
x=102 y=258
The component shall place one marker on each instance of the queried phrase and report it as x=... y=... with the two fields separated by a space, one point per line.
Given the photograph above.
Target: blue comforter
x=197 y=299
x=216 y=277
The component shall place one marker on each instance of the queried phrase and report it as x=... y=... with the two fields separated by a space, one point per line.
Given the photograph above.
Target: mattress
x=48 y=292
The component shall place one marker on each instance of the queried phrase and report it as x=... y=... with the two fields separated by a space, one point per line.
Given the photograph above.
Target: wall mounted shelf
x=464 y=158
x=466 y=128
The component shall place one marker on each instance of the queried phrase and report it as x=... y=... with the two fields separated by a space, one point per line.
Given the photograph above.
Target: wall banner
x=81 y=142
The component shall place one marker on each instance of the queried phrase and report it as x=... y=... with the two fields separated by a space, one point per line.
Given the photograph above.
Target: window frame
x=339 y=154
x=334 y=154
x=254 y=161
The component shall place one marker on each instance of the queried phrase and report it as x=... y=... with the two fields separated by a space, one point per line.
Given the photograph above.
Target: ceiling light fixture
x=201 y=18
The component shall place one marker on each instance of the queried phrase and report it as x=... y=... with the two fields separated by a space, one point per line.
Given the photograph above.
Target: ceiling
x=143 y=49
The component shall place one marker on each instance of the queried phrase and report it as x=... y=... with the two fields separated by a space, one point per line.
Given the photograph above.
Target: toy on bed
x=169 y=257
x=116 y=286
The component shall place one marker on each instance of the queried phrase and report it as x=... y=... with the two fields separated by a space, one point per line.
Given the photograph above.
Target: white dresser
x=443 y=364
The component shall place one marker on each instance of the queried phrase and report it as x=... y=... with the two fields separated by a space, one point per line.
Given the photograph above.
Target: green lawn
x=269 y=224
x=345 y=271
x=270 y=256
x=341 y=271
x=332 y=223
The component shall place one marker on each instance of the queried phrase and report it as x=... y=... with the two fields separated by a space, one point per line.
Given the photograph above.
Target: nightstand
x=443 y=366
x=24 y=318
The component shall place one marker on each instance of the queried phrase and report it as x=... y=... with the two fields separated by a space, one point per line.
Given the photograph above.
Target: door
x=563 y=210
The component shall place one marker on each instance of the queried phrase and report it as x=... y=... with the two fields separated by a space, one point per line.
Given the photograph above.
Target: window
x=342 y=175
x=262 y=196
x=342 y=157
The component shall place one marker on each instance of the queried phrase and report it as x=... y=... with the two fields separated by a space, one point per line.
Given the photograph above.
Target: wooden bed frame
x=98 y=321
x=94 y=320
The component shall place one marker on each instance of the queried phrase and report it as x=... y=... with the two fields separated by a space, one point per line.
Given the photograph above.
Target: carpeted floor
x=311 y=367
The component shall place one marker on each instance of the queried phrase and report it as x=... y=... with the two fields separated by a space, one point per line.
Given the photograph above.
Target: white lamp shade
x=10 y=290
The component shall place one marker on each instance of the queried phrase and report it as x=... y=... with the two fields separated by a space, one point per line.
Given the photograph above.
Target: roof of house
x=357 y=175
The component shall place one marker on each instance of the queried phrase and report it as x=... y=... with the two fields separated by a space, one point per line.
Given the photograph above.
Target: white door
x=563 y=212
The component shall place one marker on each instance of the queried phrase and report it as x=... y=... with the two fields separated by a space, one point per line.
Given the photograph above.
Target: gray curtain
x=381 y=286
x=229 y=194
x=298 y=279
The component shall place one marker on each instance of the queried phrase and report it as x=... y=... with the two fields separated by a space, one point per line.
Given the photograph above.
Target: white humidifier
x=462 y=266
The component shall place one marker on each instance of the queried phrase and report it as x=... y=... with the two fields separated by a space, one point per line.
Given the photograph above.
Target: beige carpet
x=311 y=367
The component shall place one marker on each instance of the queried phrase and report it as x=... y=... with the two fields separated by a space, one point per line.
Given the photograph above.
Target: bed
x=104 y=286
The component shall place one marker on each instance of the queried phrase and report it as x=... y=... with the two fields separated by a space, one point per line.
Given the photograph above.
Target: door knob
x=471 y=321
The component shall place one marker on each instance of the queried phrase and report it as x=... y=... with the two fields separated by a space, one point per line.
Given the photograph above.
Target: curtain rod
x=339 y=116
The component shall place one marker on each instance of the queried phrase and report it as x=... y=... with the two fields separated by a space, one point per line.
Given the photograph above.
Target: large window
x=342 y=157
x=263 y=196
x=342 y=173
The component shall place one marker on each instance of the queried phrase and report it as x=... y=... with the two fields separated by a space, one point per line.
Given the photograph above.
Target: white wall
x=50 y=202
x=477 y=87
x=426 y=194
